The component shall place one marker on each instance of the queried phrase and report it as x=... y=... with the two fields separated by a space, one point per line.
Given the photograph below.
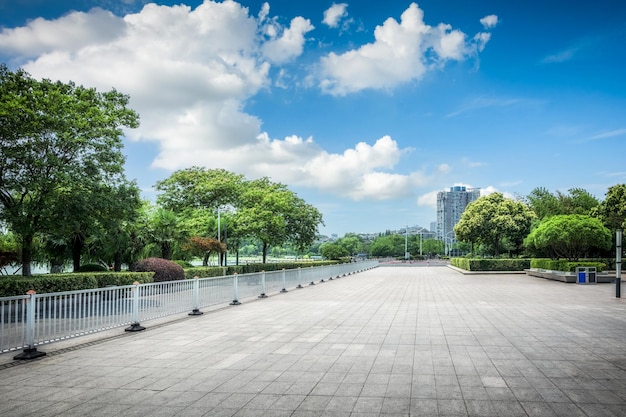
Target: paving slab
x=412 y=341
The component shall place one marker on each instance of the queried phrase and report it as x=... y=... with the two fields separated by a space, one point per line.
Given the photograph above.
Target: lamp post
x=618 y=264
x=406 y=243
x=449 y=247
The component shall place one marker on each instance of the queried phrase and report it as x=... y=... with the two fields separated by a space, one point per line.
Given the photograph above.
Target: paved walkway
x=386 y=342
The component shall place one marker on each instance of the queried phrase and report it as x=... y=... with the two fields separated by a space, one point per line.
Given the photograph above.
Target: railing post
x=196 y=297
x=31 y=351
x=262 y=285
x=312 y=283
x=284 y=282
x=235 y=301
x=135 y=327
x=299 y=278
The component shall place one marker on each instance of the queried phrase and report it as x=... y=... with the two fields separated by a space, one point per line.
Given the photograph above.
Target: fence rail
x=31 y=320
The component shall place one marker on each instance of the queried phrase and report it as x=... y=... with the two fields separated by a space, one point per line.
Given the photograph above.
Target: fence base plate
x=29 y=353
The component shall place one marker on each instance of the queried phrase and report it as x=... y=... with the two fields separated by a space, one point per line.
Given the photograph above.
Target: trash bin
x=586 y=275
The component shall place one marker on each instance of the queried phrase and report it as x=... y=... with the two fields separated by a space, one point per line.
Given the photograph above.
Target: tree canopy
x=570 y=236
x=54 y=136
x=261 y=209
x=612 y=211
x=491 y=220
x=575 y=201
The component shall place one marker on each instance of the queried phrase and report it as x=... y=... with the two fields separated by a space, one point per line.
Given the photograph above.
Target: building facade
x=450 y=206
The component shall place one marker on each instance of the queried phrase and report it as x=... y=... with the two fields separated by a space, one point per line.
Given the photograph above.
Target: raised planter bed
x=568 y=277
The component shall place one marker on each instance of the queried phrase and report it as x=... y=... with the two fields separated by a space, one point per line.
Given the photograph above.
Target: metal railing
x=31 y=320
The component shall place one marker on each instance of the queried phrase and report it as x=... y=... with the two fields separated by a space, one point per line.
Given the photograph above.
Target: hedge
x=49 y=283
x=490 y=264
x=565 y=265
x=218 y=271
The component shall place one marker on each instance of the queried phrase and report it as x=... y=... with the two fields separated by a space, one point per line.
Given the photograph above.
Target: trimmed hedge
x=49 y=283
x=564 y=265
x=218 y=271
x=164 y=269
x=490 y=264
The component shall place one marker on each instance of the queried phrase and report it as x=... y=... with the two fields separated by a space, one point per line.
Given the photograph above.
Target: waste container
x=586 y=275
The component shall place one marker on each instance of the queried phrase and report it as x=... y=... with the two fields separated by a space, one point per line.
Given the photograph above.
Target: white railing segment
x=31 y=320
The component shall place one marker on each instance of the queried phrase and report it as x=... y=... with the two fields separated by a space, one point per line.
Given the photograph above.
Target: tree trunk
x=166 y=250
x=117 y=261
x=27 y=254
x=77 y=248
x=264 y=252
x=205 y=260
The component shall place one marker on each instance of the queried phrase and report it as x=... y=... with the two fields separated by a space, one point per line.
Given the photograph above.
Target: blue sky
x=364 y=111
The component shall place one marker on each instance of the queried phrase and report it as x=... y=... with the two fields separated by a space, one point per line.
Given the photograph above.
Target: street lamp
x=406 y=243
x=446 y=238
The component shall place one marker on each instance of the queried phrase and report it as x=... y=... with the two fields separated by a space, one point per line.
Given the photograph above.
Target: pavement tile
x=453 y=345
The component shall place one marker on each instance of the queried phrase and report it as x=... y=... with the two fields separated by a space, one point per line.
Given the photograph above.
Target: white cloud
x=401 y=52
x=290 y=44
x=189 y=74
x=69 y=33
x=428 y=200
x=609 y=134
x=490 y=21
x=334 y=14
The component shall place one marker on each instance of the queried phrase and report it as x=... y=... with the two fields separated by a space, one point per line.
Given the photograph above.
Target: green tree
x=612 y=211
x=570 y=236
x=575 y=201
x=272 y=214
x=52 y=137
x=199 y=188
x=333 y=250
x=494 y=219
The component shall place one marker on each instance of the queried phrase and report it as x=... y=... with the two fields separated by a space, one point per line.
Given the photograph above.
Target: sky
x=365 y=111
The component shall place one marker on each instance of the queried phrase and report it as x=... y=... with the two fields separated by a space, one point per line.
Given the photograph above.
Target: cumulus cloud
x=69 y=33
x=290 y=44
x=191 y=72
x=401 y=52
x=490 y=21
x=334 y=14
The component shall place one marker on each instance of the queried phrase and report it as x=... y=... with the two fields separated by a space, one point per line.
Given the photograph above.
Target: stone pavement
x=422 y=341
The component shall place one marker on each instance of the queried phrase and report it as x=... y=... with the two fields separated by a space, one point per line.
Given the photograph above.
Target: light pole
x=446 y=238
x=406 y=243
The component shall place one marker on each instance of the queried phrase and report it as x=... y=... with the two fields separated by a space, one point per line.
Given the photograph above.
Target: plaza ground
x=392 y=341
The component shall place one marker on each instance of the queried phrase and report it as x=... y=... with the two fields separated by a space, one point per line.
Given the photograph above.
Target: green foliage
x=333 y=251
x=55 y=137
x=93 y=268
x=184 y=264
x=493 y=220
x=569 y=236
x=576 y=201
x=50 y=283
x=490 y=264
x=612 y=211
x=564 y=264
x=164 y=270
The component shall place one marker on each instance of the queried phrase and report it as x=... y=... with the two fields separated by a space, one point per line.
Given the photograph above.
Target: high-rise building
x=450 y=206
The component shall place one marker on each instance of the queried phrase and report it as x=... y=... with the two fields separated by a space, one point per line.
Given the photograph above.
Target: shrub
x=184 y=264
x=93 y=268
x=564 y=265
x=491 y=264
x=164 y=270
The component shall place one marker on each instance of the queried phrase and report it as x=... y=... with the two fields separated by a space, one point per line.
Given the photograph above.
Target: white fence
x=34 y=319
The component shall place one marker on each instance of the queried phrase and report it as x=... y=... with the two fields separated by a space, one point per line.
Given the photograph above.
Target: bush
x=184 y=264
x=164 y=270
x=565 y=265
x=93 y=268
x=491 y=264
